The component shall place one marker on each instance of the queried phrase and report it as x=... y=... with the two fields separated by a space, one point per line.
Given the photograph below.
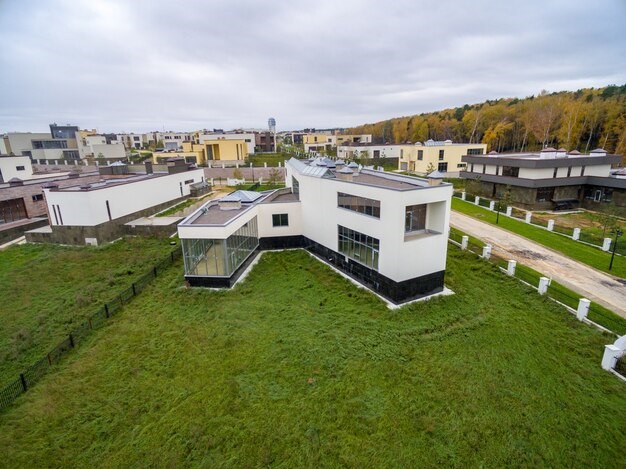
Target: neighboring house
x=264 y=142
x=136 y=141
x=19 y=143
x=318 y=142
x=206 y=151
x=549 y=179
x=445 y=157
x=248 y=137
x=15 y=167
x=387 y=231
x=172 y=140
x=95 y=213
x=61 y=144
x=96 y=146
x=349 y=152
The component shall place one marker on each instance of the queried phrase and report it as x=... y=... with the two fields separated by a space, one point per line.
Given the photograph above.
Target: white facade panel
x=15 y=167
x=89 y=207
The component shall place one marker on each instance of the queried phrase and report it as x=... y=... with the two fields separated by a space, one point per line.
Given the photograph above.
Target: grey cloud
x=143 y=65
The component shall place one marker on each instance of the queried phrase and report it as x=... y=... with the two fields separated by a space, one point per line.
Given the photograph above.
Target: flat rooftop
x=211 y=213
x=110 y=180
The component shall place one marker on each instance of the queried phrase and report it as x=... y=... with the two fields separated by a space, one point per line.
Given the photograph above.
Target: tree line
x=575 y=120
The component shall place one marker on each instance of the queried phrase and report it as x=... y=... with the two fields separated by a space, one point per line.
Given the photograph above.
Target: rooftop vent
x=598 y=152
x=574 y=152
x=345 y=174
x=15 y=182
x=435 y=178
x=492 y=152
x=50 y=185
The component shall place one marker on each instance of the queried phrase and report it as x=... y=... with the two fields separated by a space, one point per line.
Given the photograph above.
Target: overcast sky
x=139 y=65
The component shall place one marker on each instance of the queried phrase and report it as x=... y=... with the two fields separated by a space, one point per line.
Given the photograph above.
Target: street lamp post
x=617 y=233
x=498 y=212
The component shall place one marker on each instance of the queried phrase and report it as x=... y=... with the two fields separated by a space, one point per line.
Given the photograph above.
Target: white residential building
x=387 y=231
x=18 y=167
x=349 y=152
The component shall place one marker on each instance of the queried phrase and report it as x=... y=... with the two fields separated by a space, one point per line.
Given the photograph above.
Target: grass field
x=272 y=159
x=296 y=367
x=581 y=252
x=47 y=290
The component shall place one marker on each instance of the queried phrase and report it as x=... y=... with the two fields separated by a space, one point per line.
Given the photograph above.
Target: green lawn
x=47 y=290
x=272 y=159
x=581 y=252
x=298 y=368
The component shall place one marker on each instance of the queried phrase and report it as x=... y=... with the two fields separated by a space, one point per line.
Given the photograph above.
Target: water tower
x=271 y=122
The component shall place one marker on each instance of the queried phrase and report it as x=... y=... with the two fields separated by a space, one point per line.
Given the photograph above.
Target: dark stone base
x=396 y=292
x=11 y=231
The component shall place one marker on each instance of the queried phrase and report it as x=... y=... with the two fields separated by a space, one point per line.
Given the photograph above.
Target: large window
x=441 y=152
x=510 y=171
x=474 y=151
x=280 y=219
x=220 y=257
x=442 y=167
x=415 y=218
x=362 y=205
x=420 y=155
x=295 y=187
x=359 y=247
x=545 y=194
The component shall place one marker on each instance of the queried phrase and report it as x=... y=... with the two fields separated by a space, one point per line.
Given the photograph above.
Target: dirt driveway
x=594 y=285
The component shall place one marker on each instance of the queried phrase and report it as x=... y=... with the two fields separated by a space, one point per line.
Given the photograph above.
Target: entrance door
x=597 y=196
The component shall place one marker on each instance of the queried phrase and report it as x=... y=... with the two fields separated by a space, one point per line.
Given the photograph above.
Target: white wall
x=9 y=165
x=386 y=151
x=21 y=141
x=88 y=208
x=399 y=259
x=265 y=212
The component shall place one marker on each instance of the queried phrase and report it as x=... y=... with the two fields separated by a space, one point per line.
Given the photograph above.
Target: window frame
x=280 y=220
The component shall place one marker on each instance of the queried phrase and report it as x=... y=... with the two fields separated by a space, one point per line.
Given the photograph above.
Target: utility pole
x=618 y=233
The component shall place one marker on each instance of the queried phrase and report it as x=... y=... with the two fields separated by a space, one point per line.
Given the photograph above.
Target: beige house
x=444 y=157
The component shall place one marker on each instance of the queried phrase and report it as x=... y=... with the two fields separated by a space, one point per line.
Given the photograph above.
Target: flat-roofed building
x=443 y=156
x=548 y=179
x=387 y=231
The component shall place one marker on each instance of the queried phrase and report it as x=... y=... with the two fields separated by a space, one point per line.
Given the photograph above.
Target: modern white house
x=19 y=167
x=387 y=231
x=93 y=213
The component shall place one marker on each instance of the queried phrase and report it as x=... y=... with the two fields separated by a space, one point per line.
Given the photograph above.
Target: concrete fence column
x=476 y=200
x=583 y=308
x=509 y=211
x=550 y=225
x=576 y=234
x=209 y=164
x=464 y=241
x=606 y=245
x=611 y=354
x=463 y=195
x=543 y=285
x=492 y=205
x=510 y=270
x=279 y=164
x=487 y=251
x=65 y=162
x=251 y=164
x=223 y=166
x=529 y=216
x=237 y=165
x=265 y=165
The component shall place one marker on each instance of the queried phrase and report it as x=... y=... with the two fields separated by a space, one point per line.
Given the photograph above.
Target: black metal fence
x=36 y=371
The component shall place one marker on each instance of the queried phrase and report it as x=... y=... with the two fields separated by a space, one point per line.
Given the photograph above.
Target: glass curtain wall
x=220 y=257
x=358 y=246
x=362 y=205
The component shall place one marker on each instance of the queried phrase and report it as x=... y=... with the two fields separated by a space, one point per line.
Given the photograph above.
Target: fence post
x=529 y=215
x=25 y=386
x=463 y=195
x=134 y=290
x=606 y=245
x=476 y=200
x=550 y=225
x=72 y=340
x=492 y=205
x=543 y=285
x=509 y=211
x=464 y=241
x=172 y=256
x=49 y=360
x=609 y=359
x=510 y=270
x=583 y=309
x=487 y=251
x=154 y=271
x=576 y=234
x=106 y=310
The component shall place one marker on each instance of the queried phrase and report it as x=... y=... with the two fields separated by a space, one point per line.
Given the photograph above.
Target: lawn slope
x=296 y=367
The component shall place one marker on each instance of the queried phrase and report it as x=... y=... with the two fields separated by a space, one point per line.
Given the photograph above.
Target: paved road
x=595 y=285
